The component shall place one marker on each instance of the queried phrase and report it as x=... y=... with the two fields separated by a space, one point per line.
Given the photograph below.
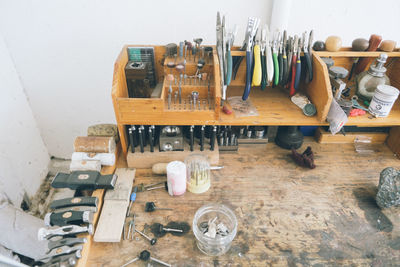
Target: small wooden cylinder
x=94 y=144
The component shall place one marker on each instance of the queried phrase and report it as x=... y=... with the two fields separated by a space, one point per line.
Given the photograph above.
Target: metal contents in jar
x=215 y=227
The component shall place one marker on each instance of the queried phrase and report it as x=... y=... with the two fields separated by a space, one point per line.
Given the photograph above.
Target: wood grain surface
x=287 y=215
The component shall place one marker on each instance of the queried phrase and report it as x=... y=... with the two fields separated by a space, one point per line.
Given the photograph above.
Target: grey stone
x=389 y=188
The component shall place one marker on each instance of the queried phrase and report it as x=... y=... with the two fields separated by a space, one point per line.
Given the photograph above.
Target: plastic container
x=198 y=173
x=220 y=244
x=176 y=178
x=383 y=100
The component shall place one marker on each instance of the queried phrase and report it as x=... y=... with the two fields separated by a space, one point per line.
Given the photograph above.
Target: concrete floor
x=39 y=204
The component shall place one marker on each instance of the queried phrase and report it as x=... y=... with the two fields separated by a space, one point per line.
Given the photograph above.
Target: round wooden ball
x=333 y=43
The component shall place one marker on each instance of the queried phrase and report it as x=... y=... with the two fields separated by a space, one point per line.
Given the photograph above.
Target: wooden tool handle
x=374 y=42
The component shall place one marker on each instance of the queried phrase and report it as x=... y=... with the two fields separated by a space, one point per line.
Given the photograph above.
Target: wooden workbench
x=287 y=215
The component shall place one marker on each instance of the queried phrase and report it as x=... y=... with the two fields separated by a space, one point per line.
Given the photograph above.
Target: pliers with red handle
x=295 y=64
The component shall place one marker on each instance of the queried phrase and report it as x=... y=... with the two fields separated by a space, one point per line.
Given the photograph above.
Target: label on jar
x=379 y=107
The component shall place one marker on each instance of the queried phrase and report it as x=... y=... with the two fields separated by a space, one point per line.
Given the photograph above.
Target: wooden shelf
x=273 y=106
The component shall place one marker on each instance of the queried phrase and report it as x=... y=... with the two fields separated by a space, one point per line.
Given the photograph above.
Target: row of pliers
x=286 y=54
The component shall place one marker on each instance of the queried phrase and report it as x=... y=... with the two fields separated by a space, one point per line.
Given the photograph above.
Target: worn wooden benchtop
x=287 y=215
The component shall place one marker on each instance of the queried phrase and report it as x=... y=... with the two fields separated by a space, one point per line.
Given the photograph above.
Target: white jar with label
x=383 y=100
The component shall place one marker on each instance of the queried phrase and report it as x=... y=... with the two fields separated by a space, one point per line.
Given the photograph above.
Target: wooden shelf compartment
x=345 y=58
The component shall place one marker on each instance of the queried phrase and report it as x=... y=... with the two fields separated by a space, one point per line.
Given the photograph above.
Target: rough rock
x=389 y=188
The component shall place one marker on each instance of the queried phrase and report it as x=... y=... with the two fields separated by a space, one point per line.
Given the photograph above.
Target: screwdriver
x=132 y=199
x=151 y=206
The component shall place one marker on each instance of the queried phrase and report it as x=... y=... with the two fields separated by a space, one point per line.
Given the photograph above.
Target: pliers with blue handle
x=251 y=30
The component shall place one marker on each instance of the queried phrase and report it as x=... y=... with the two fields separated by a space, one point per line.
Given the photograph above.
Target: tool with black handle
x=264 y=78
x=151 y=141
x=309 y=70
x=73 y=202
x=212 y=138
x=298 y=66
x=132 y=132
x=68 y=218
x=202 y=138
x=84 y=180
x=191 y=140
x=141 y=141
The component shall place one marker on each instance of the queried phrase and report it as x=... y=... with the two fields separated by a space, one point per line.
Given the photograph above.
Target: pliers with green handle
x=229 y=43
x=275 y=51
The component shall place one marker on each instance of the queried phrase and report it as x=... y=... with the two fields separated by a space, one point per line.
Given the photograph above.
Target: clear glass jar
x=220 y=244
x=198 y=173
x=368 y=81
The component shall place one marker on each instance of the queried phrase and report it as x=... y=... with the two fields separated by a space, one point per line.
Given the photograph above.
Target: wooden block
x=123 y=186
x=324 y=137
x=147 y=159
x=116 y=202
x=111 y=222
x=94 y=144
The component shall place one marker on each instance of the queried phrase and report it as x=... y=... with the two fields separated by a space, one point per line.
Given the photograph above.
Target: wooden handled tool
x=374 y=42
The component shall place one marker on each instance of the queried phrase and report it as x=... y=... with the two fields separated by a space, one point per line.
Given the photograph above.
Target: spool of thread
x=176 y=178
x=106 y=159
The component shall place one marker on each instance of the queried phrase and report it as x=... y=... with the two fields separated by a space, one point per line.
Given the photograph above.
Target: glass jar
x=368 y=81
x=198 y=173
x=221 y=214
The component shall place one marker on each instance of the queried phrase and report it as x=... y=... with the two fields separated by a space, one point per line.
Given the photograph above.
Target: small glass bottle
x=368 y=81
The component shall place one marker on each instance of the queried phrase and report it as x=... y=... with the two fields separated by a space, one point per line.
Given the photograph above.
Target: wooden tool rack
x=273 y=104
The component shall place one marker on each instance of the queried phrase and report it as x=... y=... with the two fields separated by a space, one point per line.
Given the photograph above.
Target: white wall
x=23 y=155
x=64 y=50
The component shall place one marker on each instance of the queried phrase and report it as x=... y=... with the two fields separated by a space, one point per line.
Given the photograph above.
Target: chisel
x=202 y=138
x=131 y=138
x=191 y=138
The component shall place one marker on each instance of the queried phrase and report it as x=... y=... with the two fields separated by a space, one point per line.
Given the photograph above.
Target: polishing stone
x=387 y=45
x=104 y=130
x=333 y=43
x=319 y=46
x=360 y=44
x=389 y=188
